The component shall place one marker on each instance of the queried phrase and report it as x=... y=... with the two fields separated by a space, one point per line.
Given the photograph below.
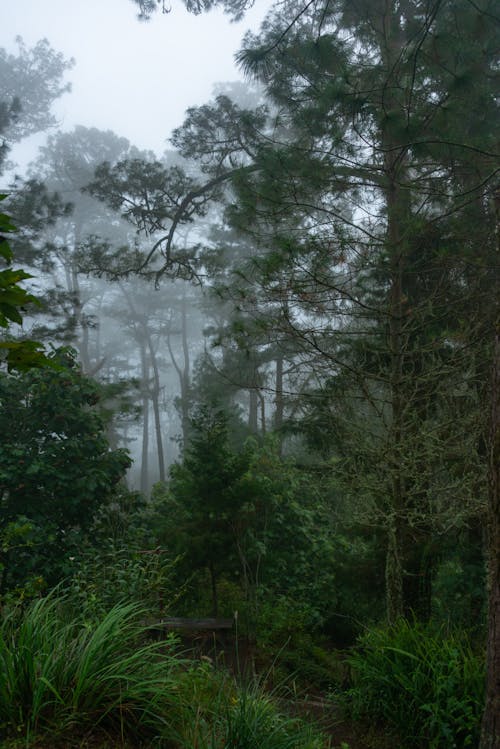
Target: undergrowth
x=61 y=677
x=425 y=684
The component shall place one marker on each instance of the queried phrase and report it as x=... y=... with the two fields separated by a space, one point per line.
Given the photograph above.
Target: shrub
x=427 y=685
x=106 y=576
x=290 y=646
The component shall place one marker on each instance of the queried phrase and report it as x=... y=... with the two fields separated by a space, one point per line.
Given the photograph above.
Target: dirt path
x=344 y=734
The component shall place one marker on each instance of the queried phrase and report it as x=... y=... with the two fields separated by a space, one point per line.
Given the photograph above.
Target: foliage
x=60 y=677
x=33 y=78
x=57 y=673
x=226 y=715
x=427 y=684
x=120 y=562
x=19 y=355
x=289 y=644
x=458 y=588
x=56 y=468
x=375 y=300
x=235 y=8
x=252 y=721
x=248 y=517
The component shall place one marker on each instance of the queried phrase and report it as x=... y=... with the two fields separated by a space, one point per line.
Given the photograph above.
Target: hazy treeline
x=290 y=321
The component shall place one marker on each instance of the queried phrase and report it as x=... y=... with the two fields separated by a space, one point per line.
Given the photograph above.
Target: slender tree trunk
x=183 y=372
x=145 y=422
x=394 y=567
x=393 y=574
x=397 y=208
x=213 y=585
x=82 y=340
x=143 y=331
x=155 y=399
x=490 y=733
x=262 y=401
x=278 y=401
x=185 y=379
x=253 y=410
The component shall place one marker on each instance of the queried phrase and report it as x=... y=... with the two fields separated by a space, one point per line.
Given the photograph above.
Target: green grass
x=426 y=685
x=62 y=680
x=56 y=673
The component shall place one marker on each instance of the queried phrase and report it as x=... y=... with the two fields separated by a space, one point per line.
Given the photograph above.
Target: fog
x=135 y=78
x=130 y=84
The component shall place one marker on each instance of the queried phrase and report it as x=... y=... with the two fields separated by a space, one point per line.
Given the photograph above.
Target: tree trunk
x=213 y=585
x=155 y=398
x=145 y=335
x=278 y=401
x=183 y=372
x=490 y=732
x=262 y=401
x=396 y=213
x=185 y=379
x=397 y=208
x=393 y=575
x=253 y=410
x=145 y=422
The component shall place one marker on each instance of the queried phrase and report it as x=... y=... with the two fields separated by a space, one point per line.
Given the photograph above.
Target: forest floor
x=316 y=707
x=344 y=734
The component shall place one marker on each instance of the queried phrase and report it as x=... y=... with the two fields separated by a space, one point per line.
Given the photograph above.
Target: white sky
x=131 y=77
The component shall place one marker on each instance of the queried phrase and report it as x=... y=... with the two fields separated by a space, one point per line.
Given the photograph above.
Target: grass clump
x=56 y=673
x=64 y=682
x=242 y=717
x=252 y=721
x=427 y=685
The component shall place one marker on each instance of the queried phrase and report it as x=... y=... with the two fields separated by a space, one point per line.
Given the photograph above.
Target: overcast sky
x=131 y=77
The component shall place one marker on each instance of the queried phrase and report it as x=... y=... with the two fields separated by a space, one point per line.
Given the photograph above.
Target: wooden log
x=194 y=625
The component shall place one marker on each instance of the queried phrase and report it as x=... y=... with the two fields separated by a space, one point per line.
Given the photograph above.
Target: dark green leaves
x=20 y=355
x=56 y=468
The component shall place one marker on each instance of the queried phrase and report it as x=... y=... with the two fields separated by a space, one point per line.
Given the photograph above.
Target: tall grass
x=55 y=673
x=427 y=685
x=62 y=679
x=252 y=721
x=243 y=717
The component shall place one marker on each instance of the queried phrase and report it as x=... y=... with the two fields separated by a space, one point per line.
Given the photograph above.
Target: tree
x=203 y=488
x=58 y=246
x=240 y=514
x=394 y=114
x=490 y=733
x=364 y=134
x=30 y=82
x=56 y=466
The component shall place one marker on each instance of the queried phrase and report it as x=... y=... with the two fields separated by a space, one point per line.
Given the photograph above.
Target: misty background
x=124 y=86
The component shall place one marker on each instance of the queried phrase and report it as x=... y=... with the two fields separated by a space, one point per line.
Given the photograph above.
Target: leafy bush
x=459 y=589
x=252 y=722
x=115 y=573
x=427 y=685
x=56 y=468
x=290 y=646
